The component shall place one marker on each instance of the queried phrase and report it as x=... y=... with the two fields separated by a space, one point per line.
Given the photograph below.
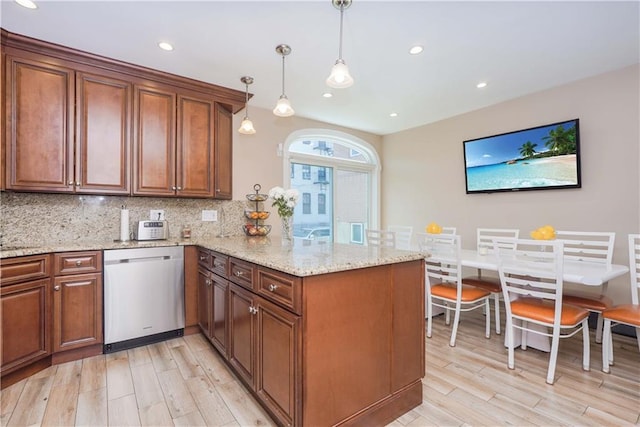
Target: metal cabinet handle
x=173 y=187
x=202 y=257
x=238 y=273
x=78 y=263
x=217 y=190
x=70 y=182
x=273 y=287
x=77 y=183
x=253 y=310
x=56 y=288
x=208 y=282
x=179 y=188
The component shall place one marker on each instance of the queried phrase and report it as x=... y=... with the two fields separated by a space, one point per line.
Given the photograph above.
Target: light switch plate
x=209 y=215
x=156 y=215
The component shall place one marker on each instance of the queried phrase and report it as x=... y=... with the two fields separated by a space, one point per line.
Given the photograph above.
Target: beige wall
x=424 y=167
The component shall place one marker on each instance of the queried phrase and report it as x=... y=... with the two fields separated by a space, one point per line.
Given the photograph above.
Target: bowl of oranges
x=256 y=214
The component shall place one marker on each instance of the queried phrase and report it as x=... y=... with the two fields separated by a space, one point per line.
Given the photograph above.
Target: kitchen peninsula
x=321 y=333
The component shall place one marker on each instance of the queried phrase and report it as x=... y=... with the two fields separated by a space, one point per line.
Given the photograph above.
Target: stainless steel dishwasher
x=143 y=296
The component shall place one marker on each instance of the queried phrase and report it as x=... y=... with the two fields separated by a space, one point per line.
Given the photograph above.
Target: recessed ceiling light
x=393 y=115
x=481 y=85
x=165 y=46
x=27 y=3
x=416 y=50
x=327 y=95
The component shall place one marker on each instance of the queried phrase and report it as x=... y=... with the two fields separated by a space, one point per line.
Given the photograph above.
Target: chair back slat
x=444 y=265
x=588 y=246
x=381 y=238
x=403 y=236
x=532 y=267
x=634 y=266
x=485 y=238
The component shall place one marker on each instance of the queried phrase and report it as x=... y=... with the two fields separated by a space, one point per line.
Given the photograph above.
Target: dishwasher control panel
x=153 y=230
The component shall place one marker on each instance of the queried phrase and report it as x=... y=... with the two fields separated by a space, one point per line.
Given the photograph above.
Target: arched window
x=338 y=176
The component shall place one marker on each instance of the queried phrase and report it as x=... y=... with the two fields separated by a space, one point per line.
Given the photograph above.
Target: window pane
x=328 y=148
x=322 y=206
x=306 y=203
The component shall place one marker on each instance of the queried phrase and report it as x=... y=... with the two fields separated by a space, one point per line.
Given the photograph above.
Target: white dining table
x=580 y=272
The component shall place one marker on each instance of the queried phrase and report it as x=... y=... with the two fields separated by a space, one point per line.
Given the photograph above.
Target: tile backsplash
x=28 y=219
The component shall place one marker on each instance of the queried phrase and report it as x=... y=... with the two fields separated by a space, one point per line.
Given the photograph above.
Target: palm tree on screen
x=561 y=140
x=528 y=149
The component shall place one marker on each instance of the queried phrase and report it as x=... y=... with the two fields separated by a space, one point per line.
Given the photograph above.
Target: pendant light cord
x=283 y=75
x=341 y=17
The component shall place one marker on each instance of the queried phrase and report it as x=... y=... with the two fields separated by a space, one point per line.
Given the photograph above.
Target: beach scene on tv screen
x=534 y=158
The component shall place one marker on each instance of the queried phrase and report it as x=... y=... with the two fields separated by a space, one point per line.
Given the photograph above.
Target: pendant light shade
x=283 y=106
x=340 y=77
x=246 y=127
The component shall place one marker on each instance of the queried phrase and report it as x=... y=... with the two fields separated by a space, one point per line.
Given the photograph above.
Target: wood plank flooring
x=184 y=382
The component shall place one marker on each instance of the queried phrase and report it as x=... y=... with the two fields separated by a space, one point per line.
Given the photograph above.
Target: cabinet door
x=103 y=117
x=77 y=311
x=224 y=153
x=26 y=313
x=242 y=333
x=219 y=330
x=154 y=142
x=39 y=143
x=278 y=360
x=194 y=148
x=204 y=301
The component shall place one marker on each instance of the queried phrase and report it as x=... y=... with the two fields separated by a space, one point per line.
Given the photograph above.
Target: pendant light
x=340 y=77
x=283 y=106
x=246 y=127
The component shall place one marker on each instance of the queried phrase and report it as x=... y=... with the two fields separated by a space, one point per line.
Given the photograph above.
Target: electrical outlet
x=156 y=215
x=209 y=215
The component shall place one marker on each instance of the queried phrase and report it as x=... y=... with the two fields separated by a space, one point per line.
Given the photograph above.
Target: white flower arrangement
x=285 y=200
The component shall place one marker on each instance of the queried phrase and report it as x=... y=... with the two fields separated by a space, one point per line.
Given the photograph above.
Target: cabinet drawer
x=219 y=264
x=77 y=262
x=20 y=269
x=204 y=258
x=280 y=288
x=241 y=272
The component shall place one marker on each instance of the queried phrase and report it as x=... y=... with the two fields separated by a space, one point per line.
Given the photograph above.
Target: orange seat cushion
x=491 y=284
x=543 y=311
x=626 y=313
x=588 y=301
x=448 y=291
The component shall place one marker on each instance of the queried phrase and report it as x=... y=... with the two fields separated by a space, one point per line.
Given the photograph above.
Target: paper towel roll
x=124 y=225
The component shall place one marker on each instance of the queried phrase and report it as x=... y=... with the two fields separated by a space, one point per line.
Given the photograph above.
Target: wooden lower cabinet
x=218 y=324
x=77 y=301
x=278 y=360
x=77 y=311
x=26 y=313
x=242 y=325
x=342 y=348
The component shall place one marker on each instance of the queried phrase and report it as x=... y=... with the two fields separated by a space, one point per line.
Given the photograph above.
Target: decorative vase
x=287 y=229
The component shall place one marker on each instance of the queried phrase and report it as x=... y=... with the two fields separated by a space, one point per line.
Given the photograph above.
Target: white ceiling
x=517 y=47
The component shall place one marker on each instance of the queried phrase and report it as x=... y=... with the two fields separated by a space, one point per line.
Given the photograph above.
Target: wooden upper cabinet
x=39 y=126
x=195 y=147
x=103 y=111
x=154 y=142
x=223 y=153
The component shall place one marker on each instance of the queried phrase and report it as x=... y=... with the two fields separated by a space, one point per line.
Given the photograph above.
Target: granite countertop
x=300 y=258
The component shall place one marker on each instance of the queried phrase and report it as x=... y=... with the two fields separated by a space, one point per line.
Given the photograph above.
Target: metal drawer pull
x=202 y=257
x=208 y=282
x=253 y=310
x=56 y=288
x=78 y=263
x=239 y=273
x=273 y=287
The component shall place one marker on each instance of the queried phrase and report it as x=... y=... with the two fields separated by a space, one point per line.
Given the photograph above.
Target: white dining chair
x=485 y=240
x=626 y=314
x=403 y=236
x=594 y=247
x=531 y=277
x=444 y=287
x=381 y=238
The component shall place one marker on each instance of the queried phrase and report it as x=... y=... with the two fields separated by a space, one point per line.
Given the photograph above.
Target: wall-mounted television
x=539 y=158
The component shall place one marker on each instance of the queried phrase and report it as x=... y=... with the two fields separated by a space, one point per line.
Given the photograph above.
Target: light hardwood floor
x=184 y=382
